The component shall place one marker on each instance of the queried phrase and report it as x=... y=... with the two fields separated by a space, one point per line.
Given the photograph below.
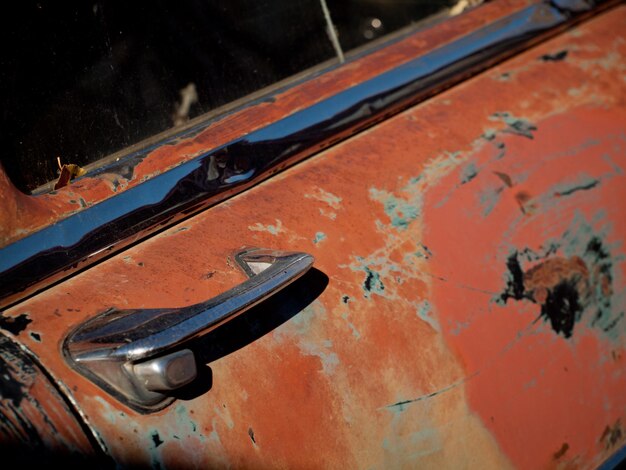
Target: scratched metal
x=466 y=306
x=60 y=249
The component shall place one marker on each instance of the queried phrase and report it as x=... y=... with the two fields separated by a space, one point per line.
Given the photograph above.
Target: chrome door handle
x=139 y=355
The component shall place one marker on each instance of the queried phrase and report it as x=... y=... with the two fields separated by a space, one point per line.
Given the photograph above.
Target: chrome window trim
x=62 y=249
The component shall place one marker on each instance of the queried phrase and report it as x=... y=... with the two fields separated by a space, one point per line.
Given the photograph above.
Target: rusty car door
x=465 y=303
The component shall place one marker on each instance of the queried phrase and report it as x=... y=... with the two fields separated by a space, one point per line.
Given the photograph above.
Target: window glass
x=360 y=21
x=82 y=80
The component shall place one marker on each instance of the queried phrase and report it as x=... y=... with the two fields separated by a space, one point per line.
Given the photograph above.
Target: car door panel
x=465 y=308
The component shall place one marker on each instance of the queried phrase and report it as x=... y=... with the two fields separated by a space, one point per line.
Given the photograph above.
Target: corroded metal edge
x=24 y=368
x=62 y=249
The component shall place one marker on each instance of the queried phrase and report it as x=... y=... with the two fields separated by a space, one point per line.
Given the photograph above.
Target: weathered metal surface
x=217 y=169
x=22 y=215
x=36 y=423
x=57 y=251
x=467 y=303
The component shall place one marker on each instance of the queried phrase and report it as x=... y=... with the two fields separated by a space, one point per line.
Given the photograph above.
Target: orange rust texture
x=421 y=350
x=21 y=215
x=540 y=279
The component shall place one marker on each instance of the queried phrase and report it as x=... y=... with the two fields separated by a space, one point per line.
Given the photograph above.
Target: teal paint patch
x=415 y=180
x=425 y=312
x=413 y=434
x=321 y=195
x=109 y=413
x=156 y=438
x=614 y=166
x=185 y=425
x=489 y=199
x=459 y=327
x=532 y=383
x=381 y=275
x=153 y=449
x=329 y=198
x=273 y=229
x=515 y=125
x=319 y=236
x=405 y=205
x=224 y=414
x=305 y=320
x=400 y=212
x=305 y=330
x=372 y=284
x=489 y=134
x=353 y=329
x=469 y=172
x=583 y=183
x=328 y=359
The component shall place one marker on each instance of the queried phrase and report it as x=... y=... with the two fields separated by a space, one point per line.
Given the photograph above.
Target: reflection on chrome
x=140 y=355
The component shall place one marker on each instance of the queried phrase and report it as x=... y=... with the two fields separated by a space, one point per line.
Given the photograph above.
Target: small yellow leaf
x=68 y=172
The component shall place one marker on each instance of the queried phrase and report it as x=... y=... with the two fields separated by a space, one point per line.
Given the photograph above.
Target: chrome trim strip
x=62 y=249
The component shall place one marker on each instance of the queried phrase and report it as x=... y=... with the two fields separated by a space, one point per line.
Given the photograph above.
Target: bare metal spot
x=612 y=435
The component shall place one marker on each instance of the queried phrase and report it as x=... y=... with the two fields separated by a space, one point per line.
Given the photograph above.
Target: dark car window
x=82 y=80
x=361 y=21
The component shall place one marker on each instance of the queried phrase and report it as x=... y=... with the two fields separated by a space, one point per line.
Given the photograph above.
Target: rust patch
x=523 y=199
x=561 y=452
x=565 y=286
x=506 y=179
x=612 y=435
x=556 y=57
x=540 y=280
x=320 y=359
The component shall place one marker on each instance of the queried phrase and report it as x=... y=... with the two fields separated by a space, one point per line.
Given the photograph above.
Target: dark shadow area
x=16 y=455
x=361 y=21
x=81 y=80
x=250 y=326
x=28 y=449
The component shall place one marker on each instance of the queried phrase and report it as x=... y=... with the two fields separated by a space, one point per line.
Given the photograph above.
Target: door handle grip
x=138 y=355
